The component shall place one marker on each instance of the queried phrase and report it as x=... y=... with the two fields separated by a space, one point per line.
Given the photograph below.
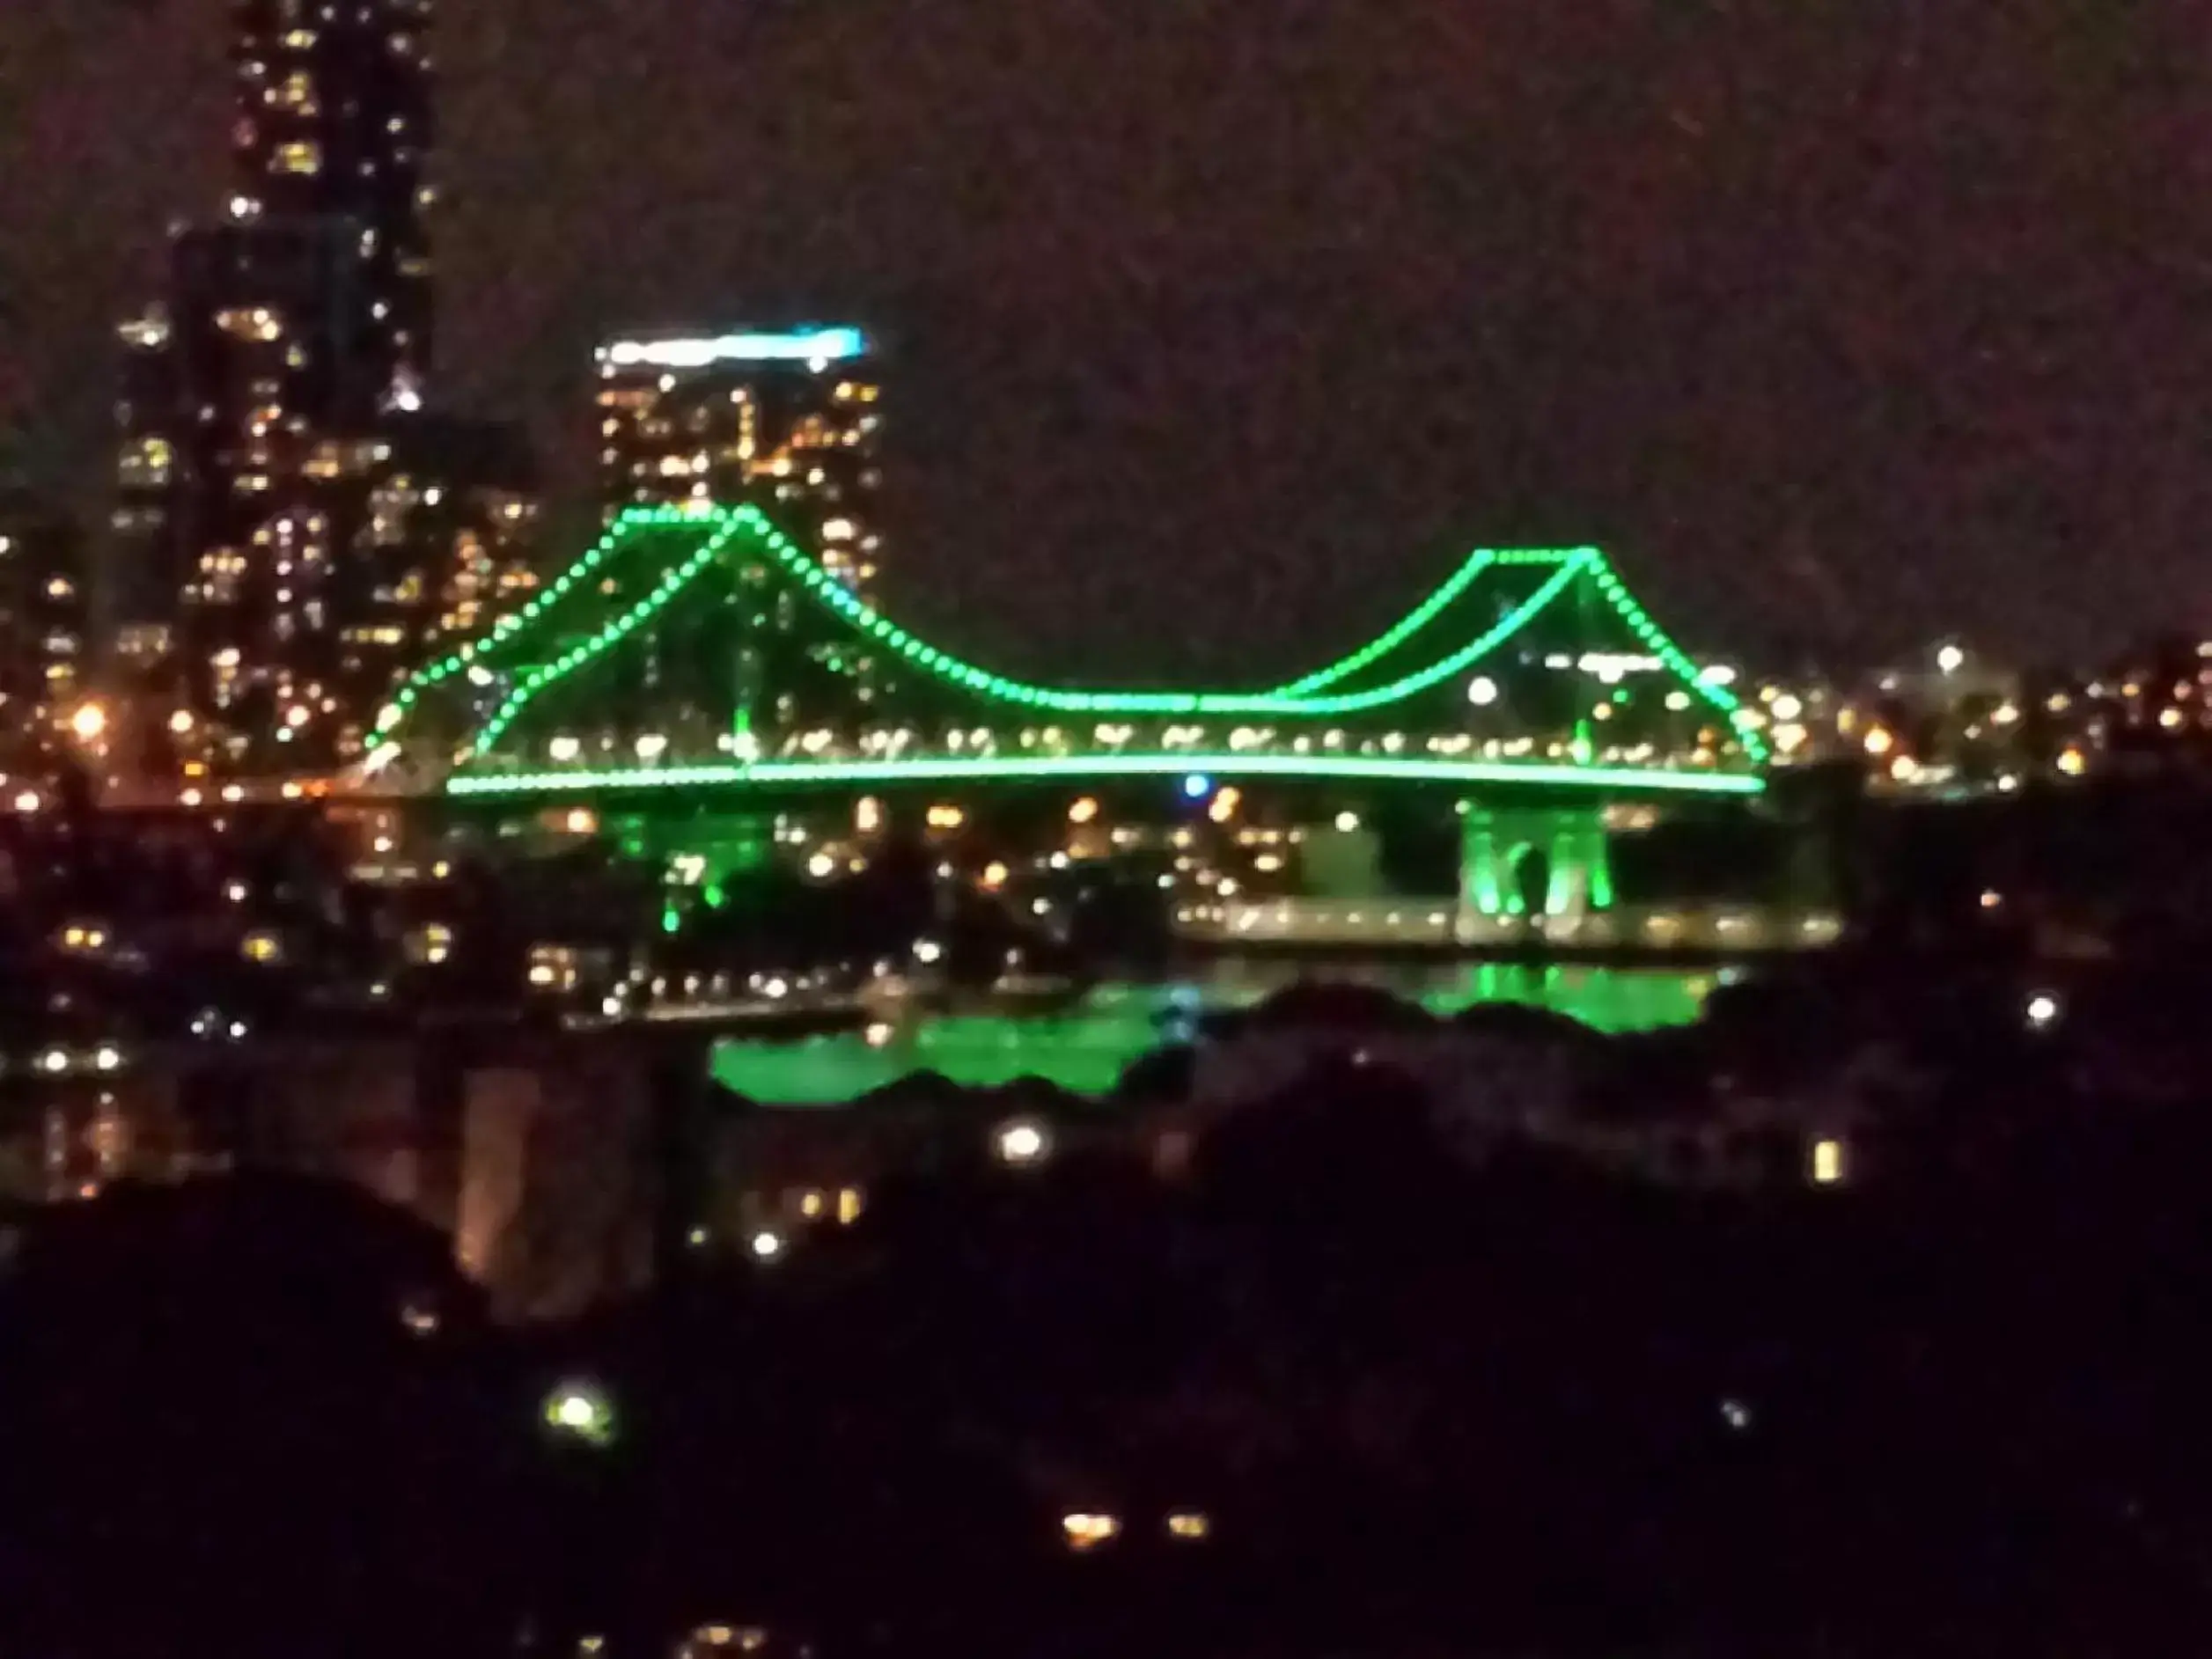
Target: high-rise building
x=333 y=127
x=254 y=578
x=785 y=420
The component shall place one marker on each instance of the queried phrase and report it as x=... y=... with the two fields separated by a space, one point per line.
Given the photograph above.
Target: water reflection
x=1085 y=1045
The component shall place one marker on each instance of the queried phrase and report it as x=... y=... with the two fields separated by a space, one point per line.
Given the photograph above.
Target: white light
x=1346 y=822
x=766 y=1245
x=581 y=1409
x=1482 y=691
x=1950 y=659
x=927 y=952
x=107 y=1057
x=565 y=749
x=2043 y=1010
x=1023 y=1142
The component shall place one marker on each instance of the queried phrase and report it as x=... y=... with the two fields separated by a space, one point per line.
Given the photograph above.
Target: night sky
x=1223 y=326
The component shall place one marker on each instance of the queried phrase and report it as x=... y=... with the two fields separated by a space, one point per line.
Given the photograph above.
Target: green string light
x=721 y=526
x=1406 y=627
x=1045 y=768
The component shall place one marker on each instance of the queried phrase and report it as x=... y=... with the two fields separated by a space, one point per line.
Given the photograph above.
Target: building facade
x=259 y=585
x=44 y=632
x=787 y=420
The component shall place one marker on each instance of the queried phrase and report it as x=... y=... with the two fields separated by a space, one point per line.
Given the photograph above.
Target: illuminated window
x=304 y=155
x=256 y=323
x=296 y=91
x=145 y=465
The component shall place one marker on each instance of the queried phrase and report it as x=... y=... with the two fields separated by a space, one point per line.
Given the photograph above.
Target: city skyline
x=1137 y=362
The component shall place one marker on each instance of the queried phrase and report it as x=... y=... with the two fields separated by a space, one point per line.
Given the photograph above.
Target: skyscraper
x=788 y=421
x=259 y=578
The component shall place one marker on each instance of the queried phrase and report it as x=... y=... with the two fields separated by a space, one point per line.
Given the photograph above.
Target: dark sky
x=1223 y=325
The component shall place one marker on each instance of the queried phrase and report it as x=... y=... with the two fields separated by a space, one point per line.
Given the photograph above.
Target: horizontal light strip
x=953 y=770
x=805 y=345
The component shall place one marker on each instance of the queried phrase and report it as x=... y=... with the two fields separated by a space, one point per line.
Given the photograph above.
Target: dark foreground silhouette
x=1338 y=1386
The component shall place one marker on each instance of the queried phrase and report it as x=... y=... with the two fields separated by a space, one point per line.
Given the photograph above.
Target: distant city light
x=1197 y=786
x=1346 y=822
x=1482 y=691
x=1950 y=659
x=1827 y=1162
x=1083 y=812
x=816 y=345
x=2043 y=1010
x=89 y=722
x=766 y=1245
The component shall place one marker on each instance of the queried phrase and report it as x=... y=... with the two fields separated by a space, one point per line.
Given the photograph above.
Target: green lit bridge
x=696 y=658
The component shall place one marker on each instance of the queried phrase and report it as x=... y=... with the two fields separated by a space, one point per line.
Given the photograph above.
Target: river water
x=1085 y=1045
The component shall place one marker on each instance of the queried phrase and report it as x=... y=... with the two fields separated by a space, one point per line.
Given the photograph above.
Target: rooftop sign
x=803 y=345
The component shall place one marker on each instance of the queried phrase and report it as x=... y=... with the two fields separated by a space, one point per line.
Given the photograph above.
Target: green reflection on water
x=1085 y=1046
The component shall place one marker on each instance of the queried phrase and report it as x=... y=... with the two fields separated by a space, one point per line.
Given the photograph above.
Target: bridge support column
x=1547 y=862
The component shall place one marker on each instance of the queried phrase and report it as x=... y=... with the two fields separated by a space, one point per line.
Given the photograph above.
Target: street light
x=89 y=722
